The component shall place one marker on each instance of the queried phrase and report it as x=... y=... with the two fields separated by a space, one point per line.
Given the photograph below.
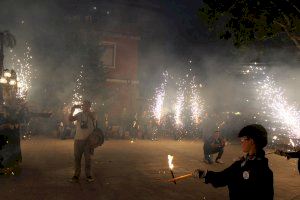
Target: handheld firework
x=171 y=166
x=186 y=176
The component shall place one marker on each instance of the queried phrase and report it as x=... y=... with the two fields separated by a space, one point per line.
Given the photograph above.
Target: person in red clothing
x=250 y=177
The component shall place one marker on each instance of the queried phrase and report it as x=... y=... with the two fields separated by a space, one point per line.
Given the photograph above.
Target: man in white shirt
x=84 y=127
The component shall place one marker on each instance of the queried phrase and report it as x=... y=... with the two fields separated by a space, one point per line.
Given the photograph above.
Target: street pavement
x=130 y=170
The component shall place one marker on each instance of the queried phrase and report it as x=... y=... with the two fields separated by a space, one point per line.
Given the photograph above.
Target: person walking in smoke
x=214 y=144
x=250 y=177
x=84 y=127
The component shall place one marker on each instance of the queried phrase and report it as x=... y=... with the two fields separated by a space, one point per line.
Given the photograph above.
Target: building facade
x=116 y=27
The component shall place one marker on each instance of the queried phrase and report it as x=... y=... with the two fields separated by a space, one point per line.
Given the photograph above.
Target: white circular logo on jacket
x=246 y=175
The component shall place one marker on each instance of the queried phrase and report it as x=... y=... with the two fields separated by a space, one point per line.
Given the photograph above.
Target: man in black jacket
x=250 y=177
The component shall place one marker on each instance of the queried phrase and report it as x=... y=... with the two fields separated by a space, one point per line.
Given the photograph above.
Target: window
x=108 y=55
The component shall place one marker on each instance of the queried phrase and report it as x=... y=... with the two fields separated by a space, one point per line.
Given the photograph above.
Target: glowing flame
x=170 y=160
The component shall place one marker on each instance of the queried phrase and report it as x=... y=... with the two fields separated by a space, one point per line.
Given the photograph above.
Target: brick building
x=116 y=25
x=121 y=59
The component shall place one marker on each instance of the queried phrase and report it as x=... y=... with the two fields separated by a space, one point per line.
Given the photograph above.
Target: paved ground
x=125 y=170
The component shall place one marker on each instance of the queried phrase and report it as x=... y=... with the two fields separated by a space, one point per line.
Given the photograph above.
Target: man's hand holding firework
x=198 y=173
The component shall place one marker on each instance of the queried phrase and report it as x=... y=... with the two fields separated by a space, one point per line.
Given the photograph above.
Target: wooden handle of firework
x=180 y=177
x=172 y=173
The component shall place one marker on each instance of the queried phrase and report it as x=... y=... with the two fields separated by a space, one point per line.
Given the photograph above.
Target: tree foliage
x=247 y=21
x=88 y=53
x=6 y=40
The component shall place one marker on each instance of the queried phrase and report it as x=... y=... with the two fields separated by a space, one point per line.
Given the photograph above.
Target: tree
x=88 y=52
x=82 y=50
x=248 y=21
x=6 y=40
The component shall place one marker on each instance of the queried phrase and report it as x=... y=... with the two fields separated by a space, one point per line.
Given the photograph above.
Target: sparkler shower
x=23 y=67
x=78 y=90
x=179 y=102
x=275 y=105
x=159 y=98
x=187 y=100
x=197 y=104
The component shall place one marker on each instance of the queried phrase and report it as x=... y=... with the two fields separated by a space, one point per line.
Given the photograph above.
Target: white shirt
x=83 y=133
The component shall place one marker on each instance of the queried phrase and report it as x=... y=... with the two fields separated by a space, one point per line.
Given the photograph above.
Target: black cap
x=257 y=132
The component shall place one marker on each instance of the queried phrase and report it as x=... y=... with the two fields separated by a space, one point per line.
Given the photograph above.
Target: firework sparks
x=274 y=103
x=23 y=69
x=197 y=107
x=179 y=102
x=188 y=106
x=78 y=91
x=159 y=98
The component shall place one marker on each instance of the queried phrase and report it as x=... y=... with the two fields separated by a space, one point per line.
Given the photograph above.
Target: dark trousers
x=80 y=148
x=208 y=150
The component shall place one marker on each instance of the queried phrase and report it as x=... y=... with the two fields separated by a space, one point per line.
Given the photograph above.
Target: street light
x=12 y=82
x=9 y=83
x=7 y=73
x=9 y=76
x=3 y=80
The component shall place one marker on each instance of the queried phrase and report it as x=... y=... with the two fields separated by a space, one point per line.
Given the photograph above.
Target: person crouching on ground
x=214 y=144
x=84 y=127
x=250 y=177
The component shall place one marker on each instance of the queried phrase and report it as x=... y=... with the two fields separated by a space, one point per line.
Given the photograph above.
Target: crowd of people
x=145 y=126
x=250 y=173
x=135 y=127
